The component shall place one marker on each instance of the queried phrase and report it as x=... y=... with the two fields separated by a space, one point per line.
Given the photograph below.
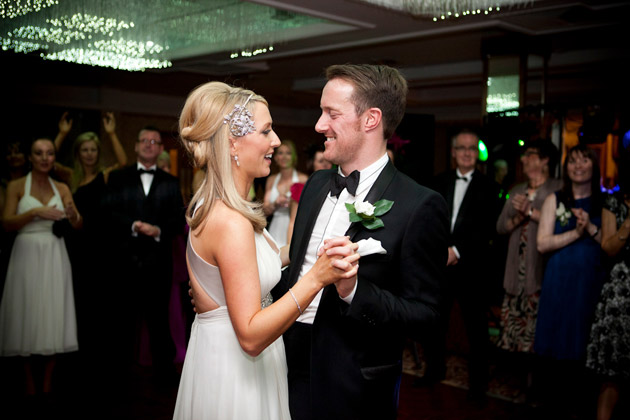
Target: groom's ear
x=373 y=117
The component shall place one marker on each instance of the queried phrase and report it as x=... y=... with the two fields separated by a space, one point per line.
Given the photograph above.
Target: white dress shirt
x=461 y=186
x=333 y=221
x=147 y=180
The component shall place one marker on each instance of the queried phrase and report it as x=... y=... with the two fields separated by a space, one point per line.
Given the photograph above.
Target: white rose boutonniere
x=368 y=214
x=562 y=214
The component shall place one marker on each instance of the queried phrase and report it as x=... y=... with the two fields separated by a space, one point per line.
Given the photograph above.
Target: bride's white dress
x=219 y=380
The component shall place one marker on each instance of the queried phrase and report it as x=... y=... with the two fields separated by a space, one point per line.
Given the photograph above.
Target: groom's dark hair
x=375 y=86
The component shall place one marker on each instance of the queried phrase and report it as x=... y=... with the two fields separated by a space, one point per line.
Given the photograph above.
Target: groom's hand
x=349 y=260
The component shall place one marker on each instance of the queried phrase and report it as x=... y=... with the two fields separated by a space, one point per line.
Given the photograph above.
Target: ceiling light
x=447 y=9
x=147 y=34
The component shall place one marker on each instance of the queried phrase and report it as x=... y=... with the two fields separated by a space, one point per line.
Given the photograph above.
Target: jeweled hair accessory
x=240 y=120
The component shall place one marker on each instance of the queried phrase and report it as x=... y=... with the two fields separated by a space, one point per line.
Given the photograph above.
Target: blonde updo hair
x=207 y=140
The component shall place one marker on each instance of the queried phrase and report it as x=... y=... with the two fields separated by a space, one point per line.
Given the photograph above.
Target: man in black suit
x=146 y=212
x=472 y=200
x=344 y=353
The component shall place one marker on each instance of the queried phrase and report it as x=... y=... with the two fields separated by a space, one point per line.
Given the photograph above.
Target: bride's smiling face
x=255 y=150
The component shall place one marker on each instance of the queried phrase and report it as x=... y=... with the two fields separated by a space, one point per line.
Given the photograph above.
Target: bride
x=235 y=365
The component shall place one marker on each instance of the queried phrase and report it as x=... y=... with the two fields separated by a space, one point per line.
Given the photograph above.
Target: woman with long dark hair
x=570 y=235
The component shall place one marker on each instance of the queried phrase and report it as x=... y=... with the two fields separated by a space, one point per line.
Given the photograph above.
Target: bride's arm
x=255 y=328
x=284 y=255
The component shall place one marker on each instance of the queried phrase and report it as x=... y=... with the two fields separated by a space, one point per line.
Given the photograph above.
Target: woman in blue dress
x=569 y=234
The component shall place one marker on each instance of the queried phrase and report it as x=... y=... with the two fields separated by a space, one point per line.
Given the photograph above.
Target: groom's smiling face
x=340 y=123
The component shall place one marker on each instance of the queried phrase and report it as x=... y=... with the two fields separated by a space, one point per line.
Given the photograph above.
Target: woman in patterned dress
x=524 y=265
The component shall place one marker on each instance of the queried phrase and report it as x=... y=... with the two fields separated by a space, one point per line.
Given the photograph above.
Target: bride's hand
x=337 y=260
x=338 y=246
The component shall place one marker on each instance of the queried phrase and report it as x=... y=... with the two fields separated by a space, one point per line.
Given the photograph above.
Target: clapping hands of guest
x=49 y=213
x=583 y=222
x=521 y=203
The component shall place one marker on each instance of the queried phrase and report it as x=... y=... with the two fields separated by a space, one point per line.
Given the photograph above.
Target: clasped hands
x=338 y=263
x=521 y=203
x=282 y=201
x=53 y=213
x=582 y=221
x=147 y=229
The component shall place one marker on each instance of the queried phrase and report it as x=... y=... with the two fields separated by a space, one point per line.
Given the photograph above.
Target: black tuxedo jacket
x=357 y=348
x=163 y=207
x=475 y=224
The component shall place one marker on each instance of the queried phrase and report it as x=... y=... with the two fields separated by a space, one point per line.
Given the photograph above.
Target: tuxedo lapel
x=467 y=200
x=135 y=175
x=154 y=182
x=375 y=194
x=450 y=191
x=313 y=208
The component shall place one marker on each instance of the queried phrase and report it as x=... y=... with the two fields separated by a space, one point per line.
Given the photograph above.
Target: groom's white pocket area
x=370 y=246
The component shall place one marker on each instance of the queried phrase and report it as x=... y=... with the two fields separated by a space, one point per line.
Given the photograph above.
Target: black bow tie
x=463 y=178
x=350 y=182
x=146 y=171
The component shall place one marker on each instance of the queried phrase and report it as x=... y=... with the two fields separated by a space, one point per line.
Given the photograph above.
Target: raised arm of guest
x=65 y=125
x=109 y=123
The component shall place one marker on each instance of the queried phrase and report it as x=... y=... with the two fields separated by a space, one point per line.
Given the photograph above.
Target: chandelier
x=146 y=34
x=446 y=9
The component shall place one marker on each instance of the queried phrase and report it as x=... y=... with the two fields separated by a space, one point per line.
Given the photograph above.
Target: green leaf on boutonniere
x=382 y=206
x=355 y=218
x=373 y=224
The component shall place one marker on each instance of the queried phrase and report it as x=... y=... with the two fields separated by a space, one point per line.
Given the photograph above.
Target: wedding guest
x=37 y=314
x=500 y=171
x=88 y=247
x=608 y=350
x=473 y=204
x=570 y=235
x=88 y=167
x=146 y=212
x=524 y=265
x=235 y=364
x=278 y=190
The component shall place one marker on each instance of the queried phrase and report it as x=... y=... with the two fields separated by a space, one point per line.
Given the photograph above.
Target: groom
x=344 y=353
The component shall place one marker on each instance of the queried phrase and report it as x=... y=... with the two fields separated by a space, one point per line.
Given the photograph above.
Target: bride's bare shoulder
x=224 y=220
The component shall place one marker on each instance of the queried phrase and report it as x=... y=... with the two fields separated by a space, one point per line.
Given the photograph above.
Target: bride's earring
x=236 y=160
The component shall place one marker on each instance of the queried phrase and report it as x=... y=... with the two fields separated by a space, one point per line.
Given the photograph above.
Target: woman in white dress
x=278 y=191
x=37 y=314
x=235 y=365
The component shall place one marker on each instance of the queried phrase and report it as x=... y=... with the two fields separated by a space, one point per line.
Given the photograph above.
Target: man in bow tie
x=473 y=203
x=344 y=353
x=146 y=212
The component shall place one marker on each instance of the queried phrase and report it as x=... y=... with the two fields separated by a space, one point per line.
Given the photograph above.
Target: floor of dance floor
x=77 y=395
